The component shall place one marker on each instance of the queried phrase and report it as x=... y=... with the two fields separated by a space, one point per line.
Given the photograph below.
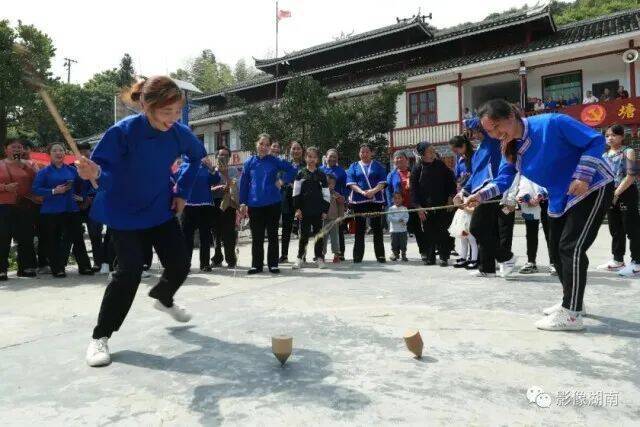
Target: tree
x=578 y=10
x=306 y=114
x=242 y=72
x=15 y=96
x=181 y=74
x=126 y=72
x=205 y=73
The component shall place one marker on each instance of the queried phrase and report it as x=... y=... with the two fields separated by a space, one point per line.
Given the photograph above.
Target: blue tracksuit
x=134 y=186
x=201 y=194
x=554 y=150
x=49 y=178
x=258 y=182
x=366 y=177
x=341 y=178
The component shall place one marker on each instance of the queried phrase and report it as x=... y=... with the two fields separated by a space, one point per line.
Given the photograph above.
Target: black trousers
x=263 y=220
x=414 y=226
x=16 y=224
x=198 y=218
x=361 y=230
x=58 y=228
x=309 y=227
x=287 y=227
x=570 y=236
x=225 y=235
x=436 y=235
x=624 y=222
x=94 y=230
x=130 y=246
x=493 y=231
x=532 y=226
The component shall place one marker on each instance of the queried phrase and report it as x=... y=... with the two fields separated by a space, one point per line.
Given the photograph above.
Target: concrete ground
x=349 y=366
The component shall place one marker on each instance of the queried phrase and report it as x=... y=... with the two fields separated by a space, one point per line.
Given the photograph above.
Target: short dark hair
x=617 y=130
x=366 y=145
x=224 y=147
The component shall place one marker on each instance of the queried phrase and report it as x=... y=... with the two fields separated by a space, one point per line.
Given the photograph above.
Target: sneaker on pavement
x=612 y=265
x=561 y=320
x=178 y=313
x=336 y=259
x=145 y=274
x=529 y=268
x=507 y=267
x=481 y=274
x=104 y=269
x=631 y=270
x=552 y=270
x=550 y=310
x=98 y=352
x=297 y=264
x=44 y=270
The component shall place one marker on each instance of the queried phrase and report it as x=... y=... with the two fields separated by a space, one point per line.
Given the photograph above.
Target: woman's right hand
x=87 y=169
x=11 y=188
x=61 y=189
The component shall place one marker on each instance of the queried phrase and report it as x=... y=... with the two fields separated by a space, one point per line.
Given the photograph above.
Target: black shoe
x=27 y=273
x=404 y=257
x=3 y=277
x=206 y=269
x=95 y=268
x=357 y=261
x=59 y=275
x=460 y=263
x=382 y=260
x=231 y=266
x=254 y=270
x=342 y=258
x=86 y=272
x=472 y=265
x=274 y=270
x=444 y=263
x=428 y=261
x=393 y=257
x=283 y=259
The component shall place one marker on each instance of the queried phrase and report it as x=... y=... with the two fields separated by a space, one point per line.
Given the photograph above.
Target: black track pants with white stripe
x=570 y=236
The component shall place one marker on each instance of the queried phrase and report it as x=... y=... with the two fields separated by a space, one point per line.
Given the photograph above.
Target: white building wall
x=401 y=111
x=447 y=102
x=594 y=70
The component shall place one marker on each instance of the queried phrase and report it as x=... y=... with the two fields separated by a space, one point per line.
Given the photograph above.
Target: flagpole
x=277 y=62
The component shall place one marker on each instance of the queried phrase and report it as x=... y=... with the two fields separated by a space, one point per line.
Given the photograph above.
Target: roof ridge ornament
x=415 y=18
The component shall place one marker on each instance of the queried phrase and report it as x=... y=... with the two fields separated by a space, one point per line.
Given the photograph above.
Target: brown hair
x=156 y=92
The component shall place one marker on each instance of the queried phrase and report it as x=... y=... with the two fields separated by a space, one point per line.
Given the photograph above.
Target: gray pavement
x=349 y=366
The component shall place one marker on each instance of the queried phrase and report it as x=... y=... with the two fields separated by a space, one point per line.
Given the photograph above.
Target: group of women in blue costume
x=564 y=156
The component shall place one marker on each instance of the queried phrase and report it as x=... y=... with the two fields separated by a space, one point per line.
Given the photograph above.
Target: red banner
x=619 y=111
x=43 y=159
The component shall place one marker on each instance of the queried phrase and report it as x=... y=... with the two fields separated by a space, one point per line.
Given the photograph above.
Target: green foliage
x=126 y=72
x=206 y=73
x=306 y=114
x=564 y=13
x=243 y=72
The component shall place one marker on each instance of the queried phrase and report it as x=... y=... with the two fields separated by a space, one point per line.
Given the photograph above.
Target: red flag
x=284 y=14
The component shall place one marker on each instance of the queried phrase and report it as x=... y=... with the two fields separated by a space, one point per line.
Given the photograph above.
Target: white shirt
x=590 y=100
x=398 y=218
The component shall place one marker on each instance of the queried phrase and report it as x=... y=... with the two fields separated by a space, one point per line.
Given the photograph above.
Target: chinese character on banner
x=581 y=398
x=596 y=398
x=627 y=111
x=564 y=398
x=611 y=398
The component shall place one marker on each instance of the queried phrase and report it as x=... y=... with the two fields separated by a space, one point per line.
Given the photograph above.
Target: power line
x=67 y=65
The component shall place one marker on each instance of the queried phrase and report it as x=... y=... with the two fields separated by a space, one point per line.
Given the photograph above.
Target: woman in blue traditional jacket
x=260 y=196
x=367 y=181
x=564 y=156
x=132 y=167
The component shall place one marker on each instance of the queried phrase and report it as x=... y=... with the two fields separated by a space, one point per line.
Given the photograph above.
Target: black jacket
x=432 y=184
x=311 y=192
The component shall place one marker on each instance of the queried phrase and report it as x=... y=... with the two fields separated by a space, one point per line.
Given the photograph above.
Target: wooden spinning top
x=414 y=343
x=282 y=346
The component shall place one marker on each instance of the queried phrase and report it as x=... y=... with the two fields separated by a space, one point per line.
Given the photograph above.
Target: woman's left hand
x=578 y=187
x=87 y=169
x=177 y=205
x=473 y=201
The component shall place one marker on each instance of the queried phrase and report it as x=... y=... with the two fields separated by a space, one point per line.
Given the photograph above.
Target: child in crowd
x=398 y=219
x=311 y=201
x=466 y=245
x=336 y=210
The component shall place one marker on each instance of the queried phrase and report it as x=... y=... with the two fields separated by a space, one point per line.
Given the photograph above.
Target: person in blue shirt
x=60 y=213
x=367 y=180
x=333 y=167
x=296 y=155
x=260 y=197
x=198 y=212
x=564 y=156
x=132 y=167
x=490 y=225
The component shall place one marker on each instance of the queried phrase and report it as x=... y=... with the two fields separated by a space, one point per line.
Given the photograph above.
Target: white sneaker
x=478 y=273
x=561 y=320
x=145 y=274
x=98 y=352
x=297 y=264
x=508 y=267
x=552 y=271
x=104 y=269
x=320 y=263
x=612 y=265
x=178 y=313
x=630 y=270
x=550 y=310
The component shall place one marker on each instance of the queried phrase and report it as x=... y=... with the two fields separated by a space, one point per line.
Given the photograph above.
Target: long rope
x=336 y=222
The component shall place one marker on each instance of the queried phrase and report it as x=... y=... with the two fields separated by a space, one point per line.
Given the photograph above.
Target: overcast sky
x=161 y=35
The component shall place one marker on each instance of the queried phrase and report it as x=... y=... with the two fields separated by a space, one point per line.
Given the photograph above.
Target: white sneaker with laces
x=98 y=352
x=552 y=271
x=561 y=320
x=612 y=265
x=630 y=270
x=550 y=310
x=145 y=274
x=104 y=269
x=320 y=263
x=508 y=267
x=178 y=313
x=481 y=274
x=297 y=264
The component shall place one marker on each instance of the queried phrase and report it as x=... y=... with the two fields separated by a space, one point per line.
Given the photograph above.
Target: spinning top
x=414 y=343
x=282 y=346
